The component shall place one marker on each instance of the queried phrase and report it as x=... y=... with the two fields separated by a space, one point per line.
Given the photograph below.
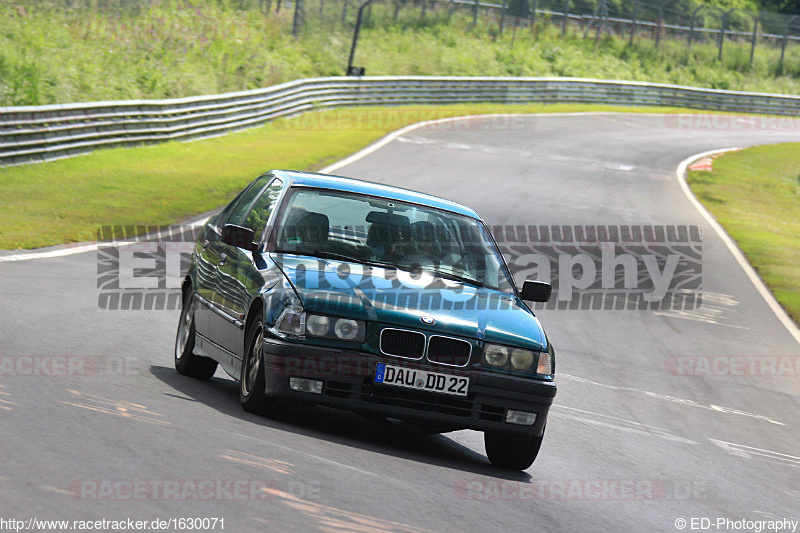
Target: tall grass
x=175 y=48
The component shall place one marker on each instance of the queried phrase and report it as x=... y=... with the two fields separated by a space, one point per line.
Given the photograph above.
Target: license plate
x=412 y=378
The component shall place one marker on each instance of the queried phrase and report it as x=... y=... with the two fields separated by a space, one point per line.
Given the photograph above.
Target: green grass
x=755 y=195
x=49 y=54
x=68 y=200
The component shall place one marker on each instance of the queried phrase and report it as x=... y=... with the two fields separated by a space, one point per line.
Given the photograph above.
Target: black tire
x=507 y=452
x=186 y=362
x=252 y=393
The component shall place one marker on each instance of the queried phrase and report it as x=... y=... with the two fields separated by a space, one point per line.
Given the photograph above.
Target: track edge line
x=731 y=245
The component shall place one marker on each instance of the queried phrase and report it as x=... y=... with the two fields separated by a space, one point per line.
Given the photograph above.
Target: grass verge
x=755 y=195
x=68 y=200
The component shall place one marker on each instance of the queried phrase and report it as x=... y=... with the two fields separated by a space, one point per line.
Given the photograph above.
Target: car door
x=239 y=279
x=207 y=263
x=211 y=317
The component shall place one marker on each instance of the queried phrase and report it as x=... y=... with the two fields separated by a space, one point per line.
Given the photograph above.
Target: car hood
x=396 y=298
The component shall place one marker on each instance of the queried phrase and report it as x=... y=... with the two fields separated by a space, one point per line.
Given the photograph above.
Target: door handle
x=222 y=258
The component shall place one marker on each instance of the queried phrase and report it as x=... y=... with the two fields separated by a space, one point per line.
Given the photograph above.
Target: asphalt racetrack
x=631 y=444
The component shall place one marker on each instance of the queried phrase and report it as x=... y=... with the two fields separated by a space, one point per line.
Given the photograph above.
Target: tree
x=789 y=7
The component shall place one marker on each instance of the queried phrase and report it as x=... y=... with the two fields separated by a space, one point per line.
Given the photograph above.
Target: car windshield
x=371 y=230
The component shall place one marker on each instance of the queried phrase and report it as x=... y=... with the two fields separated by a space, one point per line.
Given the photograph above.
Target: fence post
x=722 y=31
x=475 y=15
x=344 y=11
x=514 y=33
x=691 y=25
x=633 y=26
x=565 y=18
x=591 y=21
x=503 y=17
x=786 y=39
x=659 y=25
x=603 y=19
x=298 y=8
x=355 y=35
x=755 y=38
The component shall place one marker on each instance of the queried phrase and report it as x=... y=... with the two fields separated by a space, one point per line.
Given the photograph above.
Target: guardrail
x=42 y=133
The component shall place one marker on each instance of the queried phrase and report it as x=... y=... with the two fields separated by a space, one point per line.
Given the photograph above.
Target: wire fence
x=689 y=21
x=657 y=20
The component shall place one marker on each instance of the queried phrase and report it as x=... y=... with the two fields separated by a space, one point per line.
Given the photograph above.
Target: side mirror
x=238 y=236
x=536 y=291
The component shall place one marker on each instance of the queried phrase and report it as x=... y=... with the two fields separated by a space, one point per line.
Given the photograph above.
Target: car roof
x=341 y=183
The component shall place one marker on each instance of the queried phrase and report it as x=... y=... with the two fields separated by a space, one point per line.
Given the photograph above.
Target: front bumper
x=348 y=383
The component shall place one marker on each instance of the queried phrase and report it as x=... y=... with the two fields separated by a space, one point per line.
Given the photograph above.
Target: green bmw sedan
x=309 y=288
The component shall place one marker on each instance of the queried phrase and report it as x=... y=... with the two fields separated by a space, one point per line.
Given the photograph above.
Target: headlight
x=293 y=322
x=522 y=359
x=495 y=355
x=318 y=325
x=347 y=330
x=331 y=327
x=498 y=357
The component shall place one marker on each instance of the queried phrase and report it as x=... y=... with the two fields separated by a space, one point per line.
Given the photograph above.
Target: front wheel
x=252 y=394
x=507 y=452
x=186 y=362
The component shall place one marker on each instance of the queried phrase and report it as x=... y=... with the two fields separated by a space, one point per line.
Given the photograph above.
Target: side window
x=241 y=208
x=219 y=219
x=258 y=216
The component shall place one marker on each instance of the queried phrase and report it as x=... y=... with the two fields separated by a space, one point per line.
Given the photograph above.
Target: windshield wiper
x=456 y=277
x=325 y=254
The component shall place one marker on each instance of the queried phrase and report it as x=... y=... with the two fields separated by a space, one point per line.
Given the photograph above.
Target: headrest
x=423 y=231
x=309 y=228
x=387 y=219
